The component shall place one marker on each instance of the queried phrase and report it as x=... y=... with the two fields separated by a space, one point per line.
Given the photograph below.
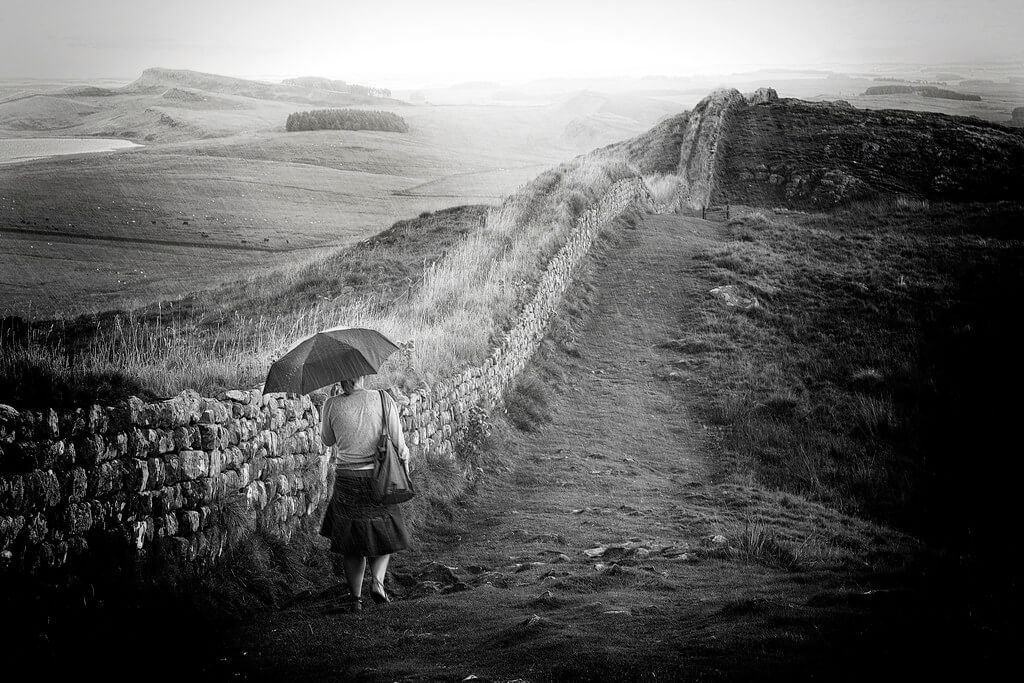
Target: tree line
x=346 y=119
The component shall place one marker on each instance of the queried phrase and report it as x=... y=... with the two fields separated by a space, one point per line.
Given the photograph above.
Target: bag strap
x=383 y=416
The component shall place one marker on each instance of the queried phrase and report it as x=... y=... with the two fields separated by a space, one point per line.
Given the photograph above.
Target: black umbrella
x=328 y=357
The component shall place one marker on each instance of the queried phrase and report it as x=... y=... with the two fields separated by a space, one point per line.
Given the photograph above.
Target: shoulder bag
x=391 y=483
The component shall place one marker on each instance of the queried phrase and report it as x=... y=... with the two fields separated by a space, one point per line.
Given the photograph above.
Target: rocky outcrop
x=817 y=155
x=763 y=96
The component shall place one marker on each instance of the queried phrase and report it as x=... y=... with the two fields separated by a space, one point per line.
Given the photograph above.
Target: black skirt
x=355 y=524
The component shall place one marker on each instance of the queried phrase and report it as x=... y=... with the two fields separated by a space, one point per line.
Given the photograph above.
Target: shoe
x=381 y=598
x=349 y=605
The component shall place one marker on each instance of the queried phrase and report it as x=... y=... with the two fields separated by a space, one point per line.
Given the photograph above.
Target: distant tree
x=345 y=119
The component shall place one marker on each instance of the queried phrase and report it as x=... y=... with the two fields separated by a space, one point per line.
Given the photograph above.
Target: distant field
x=220 y=189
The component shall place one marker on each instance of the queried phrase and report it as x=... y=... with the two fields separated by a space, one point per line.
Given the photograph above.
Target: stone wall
x=183 y=475
x=697 y=155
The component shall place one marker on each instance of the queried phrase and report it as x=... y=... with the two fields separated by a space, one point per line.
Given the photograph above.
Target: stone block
x=78 y=518
x=237 y=396
x=113 y=509
x=259 y=462
x=37 y=527
x=75 y=484
x=141 y=533
x=97 y=419
x=221 y=411
x=209 y=437
x=49 y=424
x=216 y=463
x=172 y=469
x=42 y=490
x=72 y=424
x=171 y=413
x=230 y=435
x=167 y=500
x=140 y=505
x=256 y=495
x=136 y=475
x=232 y=482
x=10 y=527
x=168 y=525
x=207 y=517
x=185 y=438
x=197 y=492
x=283 y=485
x=61 y=454
x=272 y=467
x=192 y=464
x=157 y=472
x=142 y=442
x=188 y=522
x=117 y=447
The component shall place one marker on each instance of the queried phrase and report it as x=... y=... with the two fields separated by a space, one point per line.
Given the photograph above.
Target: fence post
x=703 y=212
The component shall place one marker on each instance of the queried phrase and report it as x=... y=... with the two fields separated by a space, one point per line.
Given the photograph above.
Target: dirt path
x=505 y=589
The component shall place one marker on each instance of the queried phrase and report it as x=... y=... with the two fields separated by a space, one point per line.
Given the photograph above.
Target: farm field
x=219 y=191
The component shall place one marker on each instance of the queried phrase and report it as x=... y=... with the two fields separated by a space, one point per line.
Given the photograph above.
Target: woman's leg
x=355 y=567
x=378 y=568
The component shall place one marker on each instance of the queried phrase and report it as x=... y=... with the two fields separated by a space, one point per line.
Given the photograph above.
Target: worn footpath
x=597 y=545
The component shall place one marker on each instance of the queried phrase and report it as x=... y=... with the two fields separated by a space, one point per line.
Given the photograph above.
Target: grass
x=527 y=404
x=815 y=156
x=206 y=340
x=450 y=281
x=870 y=374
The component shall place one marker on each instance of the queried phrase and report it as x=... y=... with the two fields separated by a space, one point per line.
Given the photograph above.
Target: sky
x=404 y=42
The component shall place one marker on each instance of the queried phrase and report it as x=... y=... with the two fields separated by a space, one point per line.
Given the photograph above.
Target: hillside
x=156 y=80
x=756 y=448
x=816 y=155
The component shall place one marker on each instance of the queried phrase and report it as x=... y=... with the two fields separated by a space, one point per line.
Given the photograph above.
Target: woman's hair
x=349 y=385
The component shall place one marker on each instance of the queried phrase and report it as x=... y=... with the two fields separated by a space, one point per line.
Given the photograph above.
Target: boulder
x=763 y=96
x=732 y=297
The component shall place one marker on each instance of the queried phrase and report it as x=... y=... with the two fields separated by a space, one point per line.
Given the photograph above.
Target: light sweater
x=352 y=424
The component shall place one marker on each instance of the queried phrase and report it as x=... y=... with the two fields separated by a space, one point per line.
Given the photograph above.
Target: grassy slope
x=846 y=382
x=873 y=377
x=206 y=324
x=221 y=161
x=811 y=155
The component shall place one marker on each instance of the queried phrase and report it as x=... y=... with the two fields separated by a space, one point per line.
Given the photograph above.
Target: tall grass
x=452 y=311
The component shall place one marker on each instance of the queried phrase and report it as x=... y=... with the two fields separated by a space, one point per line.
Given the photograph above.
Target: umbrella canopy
x=328 y=357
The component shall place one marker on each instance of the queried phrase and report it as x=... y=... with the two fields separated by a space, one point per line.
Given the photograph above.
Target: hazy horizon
x=408 y=44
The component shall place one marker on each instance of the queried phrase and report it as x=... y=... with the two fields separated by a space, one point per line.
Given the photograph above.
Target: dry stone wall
x=698 y=163
x=183 y=475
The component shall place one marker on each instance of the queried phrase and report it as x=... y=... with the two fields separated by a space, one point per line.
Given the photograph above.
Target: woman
x=360 y=529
